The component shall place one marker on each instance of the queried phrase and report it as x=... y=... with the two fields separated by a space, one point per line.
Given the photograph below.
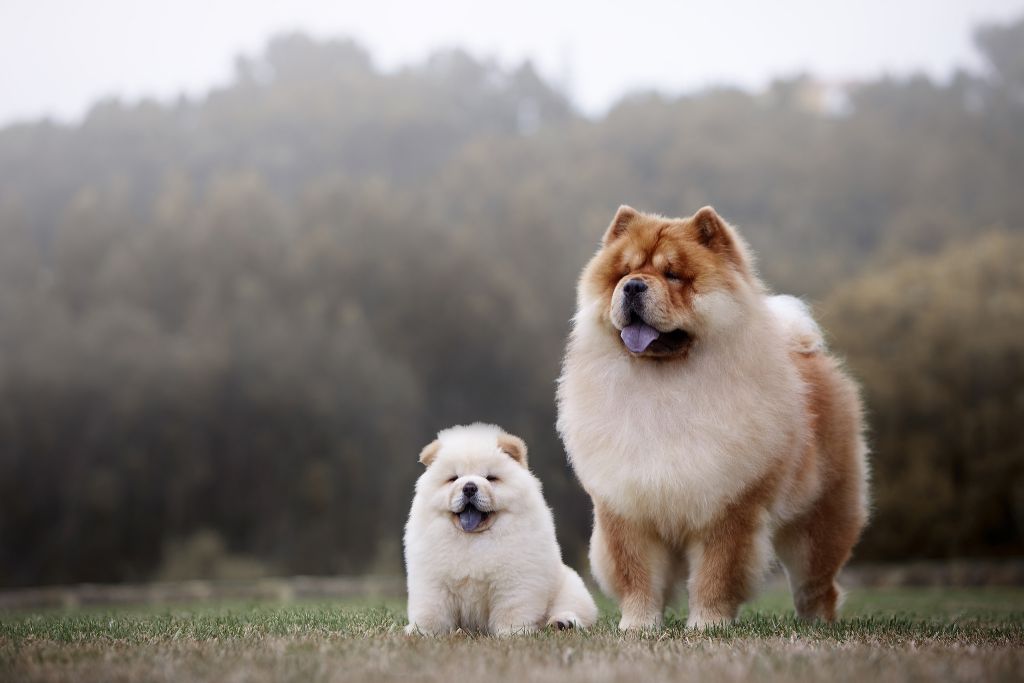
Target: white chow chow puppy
x=480 y=548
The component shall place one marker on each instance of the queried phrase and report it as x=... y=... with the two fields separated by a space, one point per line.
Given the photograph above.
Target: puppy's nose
x=634 y=287
x=469 y=490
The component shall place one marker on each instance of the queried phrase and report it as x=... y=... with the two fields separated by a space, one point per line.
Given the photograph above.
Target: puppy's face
x=473 y=484
x=659 y=285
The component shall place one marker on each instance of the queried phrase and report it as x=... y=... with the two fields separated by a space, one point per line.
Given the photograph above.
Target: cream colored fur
x=507 y=579
x=672 y=445
x=735 y=407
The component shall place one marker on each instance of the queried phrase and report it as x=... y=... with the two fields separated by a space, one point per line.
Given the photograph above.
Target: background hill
x=227 y=325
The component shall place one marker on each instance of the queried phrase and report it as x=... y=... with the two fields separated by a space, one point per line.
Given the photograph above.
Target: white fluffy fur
x=735 y=406
x=677 y=443
x=506 y=579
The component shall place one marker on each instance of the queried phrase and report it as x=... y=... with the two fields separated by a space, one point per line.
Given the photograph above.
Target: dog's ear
x=623 y=217
x=514 y=446
x=429 y=452
x=711 y=230
x=715 y=234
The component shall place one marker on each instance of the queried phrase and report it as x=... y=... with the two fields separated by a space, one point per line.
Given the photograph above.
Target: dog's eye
x=672 y=275
x=491 y=477
x=452 y=480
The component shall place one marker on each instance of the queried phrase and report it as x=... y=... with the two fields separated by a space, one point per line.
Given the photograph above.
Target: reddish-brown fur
x=693 y=251
x=629 y=544
x=833 y=522
x=681 y=257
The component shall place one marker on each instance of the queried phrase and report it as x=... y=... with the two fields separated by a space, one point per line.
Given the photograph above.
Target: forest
x=228 y=323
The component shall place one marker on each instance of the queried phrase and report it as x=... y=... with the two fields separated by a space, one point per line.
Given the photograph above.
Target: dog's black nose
x=469 y=490
x=634 y=287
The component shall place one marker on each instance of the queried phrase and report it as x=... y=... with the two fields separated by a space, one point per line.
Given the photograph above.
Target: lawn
x=885 y=635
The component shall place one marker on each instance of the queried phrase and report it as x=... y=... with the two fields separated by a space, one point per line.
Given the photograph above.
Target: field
x=886 y=635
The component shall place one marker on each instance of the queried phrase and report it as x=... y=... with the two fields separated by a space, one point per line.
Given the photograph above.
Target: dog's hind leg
x=813 y=549
x=815 y=546
x=573 y=606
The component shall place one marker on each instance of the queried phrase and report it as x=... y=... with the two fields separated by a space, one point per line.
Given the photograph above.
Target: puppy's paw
x=507 y=630
x=564 y=621
x=421 y=630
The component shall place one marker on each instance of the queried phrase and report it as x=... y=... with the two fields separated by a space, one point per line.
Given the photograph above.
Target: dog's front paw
x=648 y=622
x=426 y=630
x=702 y=619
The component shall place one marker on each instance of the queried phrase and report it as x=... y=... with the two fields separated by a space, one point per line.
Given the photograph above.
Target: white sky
x=57 y=57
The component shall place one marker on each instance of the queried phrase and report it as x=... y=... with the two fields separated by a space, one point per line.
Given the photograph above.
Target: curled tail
x=795 y=319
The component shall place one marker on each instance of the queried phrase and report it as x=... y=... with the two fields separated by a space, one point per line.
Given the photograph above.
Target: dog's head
x=475 y=474
x=660 y=285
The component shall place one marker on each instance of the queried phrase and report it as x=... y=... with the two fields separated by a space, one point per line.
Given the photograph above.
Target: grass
x=885 y=635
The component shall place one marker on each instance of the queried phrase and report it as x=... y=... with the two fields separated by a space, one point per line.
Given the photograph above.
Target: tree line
x=228 y=324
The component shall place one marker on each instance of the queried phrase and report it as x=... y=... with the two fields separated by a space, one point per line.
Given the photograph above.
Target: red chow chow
x=709 y=425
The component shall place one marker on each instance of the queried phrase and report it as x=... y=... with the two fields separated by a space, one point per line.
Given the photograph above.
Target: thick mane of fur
x=659 y=410
x=749 y=432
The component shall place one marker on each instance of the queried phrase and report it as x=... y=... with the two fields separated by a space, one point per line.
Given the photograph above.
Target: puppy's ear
x=623 y=217
x=429 y=452
x=514 y=446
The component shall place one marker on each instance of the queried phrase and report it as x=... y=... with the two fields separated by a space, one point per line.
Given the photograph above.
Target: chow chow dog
x=480 y=546
x=709 y=425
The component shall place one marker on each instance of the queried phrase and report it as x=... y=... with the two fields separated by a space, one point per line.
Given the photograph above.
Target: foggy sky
x=60 y=56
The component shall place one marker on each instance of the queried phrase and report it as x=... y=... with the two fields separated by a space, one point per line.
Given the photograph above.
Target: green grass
x=890 y=634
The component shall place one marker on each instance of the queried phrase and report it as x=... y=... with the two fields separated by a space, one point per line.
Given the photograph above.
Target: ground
x=885 y=635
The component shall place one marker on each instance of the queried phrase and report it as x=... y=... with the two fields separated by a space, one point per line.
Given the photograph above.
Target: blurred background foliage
x=227 y=325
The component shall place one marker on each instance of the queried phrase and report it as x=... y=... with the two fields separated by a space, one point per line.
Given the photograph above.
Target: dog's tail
x=798 y=324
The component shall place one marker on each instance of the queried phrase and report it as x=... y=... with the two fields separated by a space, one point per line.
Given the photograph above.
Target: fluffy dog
x=708 y=424
x=480 y=546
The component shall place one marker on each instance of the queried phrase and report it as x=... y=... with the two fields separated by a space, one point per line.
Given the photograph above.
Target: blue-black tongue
x=637 y=336
x=470 y=518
